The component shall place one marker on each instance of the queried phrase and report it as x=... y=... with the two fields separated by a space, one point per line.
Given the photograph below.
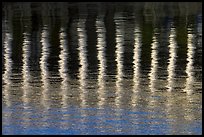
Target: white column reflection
x=172 y=60
x=26 y=67
x=190 y=59
x=7 y=74
x=101 y=44
x=136 y=64
x=119 y=57
x=63 y=69
x=82 y=60
x=152 y=102
x=44 y=66
x=154 y=63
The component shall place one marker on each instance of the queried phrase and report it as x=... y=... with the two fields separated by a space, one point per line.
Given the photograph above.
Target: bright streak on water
x=101 y=45
x=119 y=57
x=172 y=59
x=26 y=67
x=190 y=66
x=63 y=69
x=82 y=60
x=136 y=65
x=44 y=67
x=154 y=63
x=8 y=66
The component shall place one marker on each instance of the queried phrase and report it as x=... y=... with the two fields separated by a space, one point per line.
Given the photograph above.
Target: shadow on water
x=102 y=68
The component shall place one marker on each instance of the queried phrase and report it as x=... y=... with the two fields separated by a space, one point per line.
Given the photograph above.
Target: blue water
x=92 y=121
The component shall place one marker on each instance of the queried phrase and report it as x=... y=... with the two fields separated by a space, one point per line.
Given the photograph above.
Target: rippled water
x=102 y=68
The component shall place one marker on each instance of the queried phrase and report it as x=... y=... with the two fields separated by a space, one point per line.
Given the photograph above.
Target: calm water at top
x=102 y=68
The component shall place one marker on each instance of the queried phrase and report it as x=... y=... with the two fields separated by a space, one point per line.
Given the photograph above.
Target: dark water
x=102 y=68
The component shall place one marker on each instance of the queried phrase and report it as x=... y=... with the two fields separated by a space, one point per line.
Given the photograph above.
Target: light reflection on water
x=46 y=101
x=44 y=67
x=8 y=65
x=172 y=60
x=26 y=68
x=119 y=22
x=83 y=61
x=101 y=45
x=63 y=69
x=154 y=63
x=189 y=67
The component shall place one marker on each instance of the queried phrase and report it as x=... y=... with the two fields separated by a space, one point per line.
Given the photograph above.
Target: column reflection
x=63 y=66
x=190 y=59
x=26 y=67
x=101 y=45
x=44 y=66
x=172 y=60
x=7 y=74
x=136 y=64
x=119 y=56
x=152 y=102
x=154 y=63
x=63 y=71
x=82 y=60
x=45 y=98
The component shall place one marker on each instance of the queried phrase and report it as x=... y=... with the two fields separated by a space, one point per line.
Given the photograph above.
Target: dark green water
x=102 y=68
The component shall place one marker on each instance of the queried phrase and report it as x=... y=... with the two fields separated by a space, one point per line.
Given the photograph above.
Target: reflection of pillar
x=82 y=59
x=26 y=67
x=26 y=73
x=152 y=101
x=172 y=60
x=45 y=73
x=7 y=66
x=136 y=64
x=119 y=56
x=63 y=66
x=154 y=64
x=63 y=72
x=137 y=58
x=44 y=66
x=7 y=37
x=190 y=59
x=101 y=44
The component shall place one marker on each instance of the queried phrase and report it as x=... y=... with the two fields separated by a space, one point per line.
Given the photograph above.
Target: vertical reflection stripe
x=82 y=60
x=44 y=66
x=63 y=66
x=45 y=74
x=8 y=66
x=136 y=64
x=119 y=57
x=190 y=59
x=172 y=59
x=154 y=63
x=101 y=44
x=26 y=67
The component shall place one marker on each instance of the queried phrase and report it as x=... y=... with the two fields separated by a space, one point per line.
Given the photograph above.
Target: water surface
x=102 y=68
